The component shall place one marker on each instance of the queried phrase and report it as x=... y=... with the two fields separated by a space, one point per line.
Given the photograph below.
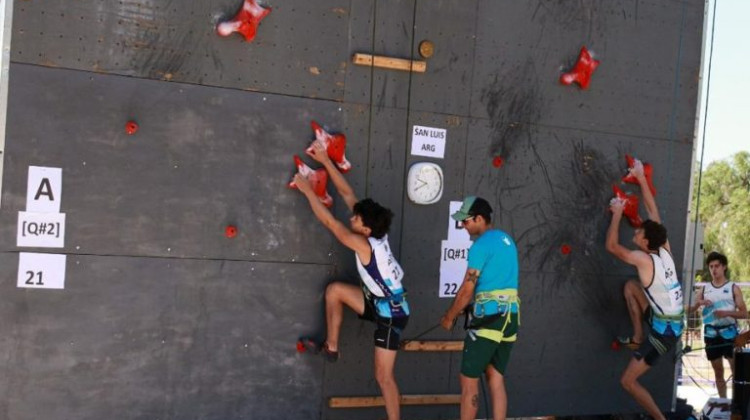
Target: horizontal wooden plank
x=361 y=402
x=392 y=63
x=433 y=346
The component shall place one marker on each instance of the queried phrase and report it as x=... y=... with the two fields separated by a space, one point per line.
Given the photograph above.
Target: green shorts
x=480 y=352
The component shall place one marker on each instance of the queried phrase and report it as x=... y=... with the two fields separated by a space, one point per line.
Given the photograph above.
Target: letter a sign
x=44 y=190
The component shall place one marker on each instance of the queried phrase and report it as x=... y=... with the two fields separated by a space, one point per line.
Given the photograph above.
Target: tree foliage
x=724 y=211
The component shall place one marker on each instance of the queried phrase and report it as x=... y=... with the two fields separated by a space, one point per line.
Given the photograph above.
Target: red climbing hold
x=631 y=206
x=245 y=21
x=335 y=145
x=131 y=127
x=498 y=161
x=318 y=179
x=648 y=171
x=615 y=345
x=565 y=249
x=582 y=71
x=230 y=231
x=301 y=347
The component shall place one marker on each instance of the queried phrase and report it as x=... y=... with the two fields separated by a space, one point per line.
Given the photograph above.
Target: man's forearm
x=463 y=297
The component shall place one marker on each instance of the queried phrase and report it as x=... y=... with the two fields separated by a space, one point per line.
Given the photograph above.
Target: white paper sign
x=453 y=263
x=41 y=230
x=44 y=190
x=428 y=141
x=456 y=233
x=41 y=271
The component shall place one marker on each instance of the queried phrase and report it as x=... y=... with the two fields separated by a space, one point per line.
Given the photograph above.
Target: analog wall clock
x=424 y=183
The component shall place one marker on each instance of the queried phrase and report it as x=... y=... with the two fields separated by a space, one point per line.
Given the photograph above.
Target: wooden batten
x=391 y=63
x=362 y=402
x=433 y=346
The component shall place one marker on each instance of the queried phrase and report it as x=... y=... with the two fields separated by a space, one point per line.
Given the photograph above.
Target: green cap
x=472 y=206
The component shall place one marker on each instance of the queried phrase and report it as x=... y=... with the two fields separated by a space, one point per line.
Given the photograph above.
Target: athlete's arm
x=345 y=190
x=351 y=240
x=639 y=259
x=740 y=310
x=649 y=202
x=699 y=301
x=613 y=235
x=648 y=198
x=739 y=301
x=463 y=297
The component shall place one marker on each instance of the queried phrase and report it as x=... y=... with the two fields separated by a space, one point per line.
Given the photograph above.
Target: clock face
x=424 y=183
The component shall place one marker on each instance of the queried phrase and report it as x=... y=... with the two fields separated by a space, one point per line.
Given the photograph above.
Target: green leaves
x=725 y=211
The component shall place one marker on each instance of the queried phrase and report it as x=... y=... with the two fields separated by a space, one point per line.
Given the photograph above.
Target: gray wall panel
x=571 y=173
x=359 y=79
x=641 y=60
x=386 y=166
x=177 y=42
x=552 y=353
x=446 y=86
x=201 y=175
x=392 y=37
x=167 y=338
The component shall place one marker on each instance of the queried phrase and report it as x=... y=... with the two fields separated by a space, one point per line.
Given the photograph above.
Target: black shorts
x=655 y=345
x=718 y=347
x=388 y=330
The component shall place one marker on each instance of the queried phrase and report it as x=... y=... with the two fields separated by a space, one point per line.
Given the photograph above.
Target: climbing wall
x=163 y=314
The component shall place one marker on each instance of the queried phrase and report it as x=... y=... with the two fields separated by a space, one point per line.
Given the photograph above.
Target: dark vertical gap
x=471 y=98
x=372 y=102
x=408 y=122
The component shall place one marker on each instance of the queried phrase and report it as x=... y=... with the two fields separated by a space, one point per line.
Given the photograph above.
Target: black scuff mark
x=579 y=215
x=381 y=99
x=579 y=220
x=636 y=12
x=570 y=14
x=512 y=104
x=545 y=171
x=536 y=10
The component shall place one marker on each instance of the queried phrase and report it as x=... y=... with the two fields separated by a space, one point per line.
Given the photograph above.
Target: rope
x=703 y=149
x=425 y=332
x=687 y=349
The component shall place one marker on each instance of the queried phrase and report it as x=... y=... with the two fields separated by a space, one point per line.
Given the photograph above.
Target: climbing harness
x=488 y=307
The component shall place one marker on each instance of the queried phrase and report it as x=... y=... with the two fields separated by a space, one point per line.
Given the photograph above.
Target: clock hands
x=424 y=183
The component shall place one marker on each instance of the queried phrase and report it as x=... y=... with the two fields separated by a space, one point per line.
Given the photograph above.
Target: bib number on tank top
x=675 y=297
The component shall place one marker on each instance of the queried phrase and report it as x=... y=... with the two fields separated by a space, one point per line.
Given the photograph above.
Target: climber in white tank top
x=665 y=294
x=656 y=294
x=382 y=299
x=723 y=305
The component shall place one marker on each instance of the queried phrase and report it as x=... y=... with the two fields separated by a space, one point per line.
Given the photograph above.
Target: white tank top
x=665 y=293
x=723 y=300
x=383 y=275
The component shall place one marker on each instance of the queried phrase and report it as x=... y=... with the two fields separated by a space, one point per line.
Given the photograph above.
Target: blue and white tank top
x=665 y=295
x=382 y=278
x=722 y=298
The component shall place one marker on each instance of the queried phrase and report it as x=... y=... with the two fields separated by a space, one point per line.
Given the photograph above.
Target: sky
x=728 y=115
